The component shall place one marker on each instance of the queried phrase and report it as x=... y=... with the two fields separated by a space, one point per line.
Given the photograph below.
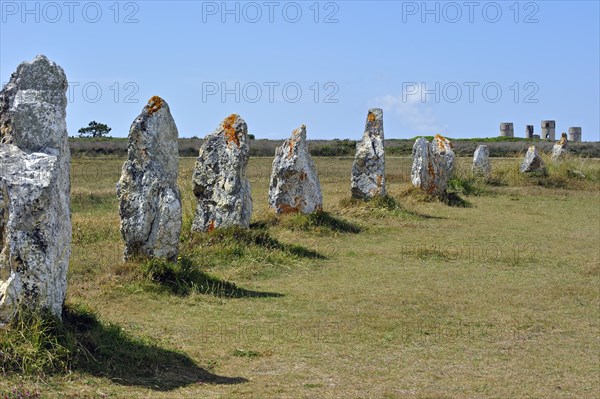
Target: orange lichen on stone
x=371 y=117
x=230 y=134
x=154 y=104
x=379 y=181
x=211 y=226
x=285 y=208
x=302 y=176
x=441 y=140
x=295 y=139
x=292 y=144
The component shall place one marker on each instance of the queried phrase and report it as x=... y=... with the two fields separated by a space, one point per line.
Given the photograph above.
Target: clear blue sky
x=543 y=56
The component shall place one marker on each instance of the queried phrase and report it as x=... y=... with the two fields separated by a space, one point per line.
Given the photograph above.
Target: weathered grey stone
x=442 y=150
x=150 y=202
x=368 y=169
x=294 y=184
x=481 y=161
x=220 y=183
x=433 y=165
x=559 y=149
x=35 y=221
x=533 y=163
x=422 y=168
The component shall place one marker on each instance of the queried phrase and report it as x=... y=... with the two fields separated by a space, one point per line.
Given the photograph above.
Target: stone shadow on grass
x=256 y=236
x=387 y=206
x=319 y=220
x=106 y=350
x=183 y=278
x=454 y=199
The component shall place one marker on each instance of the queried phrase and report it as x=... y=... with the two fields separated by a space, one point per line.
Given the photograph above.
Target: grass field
x=412 y=298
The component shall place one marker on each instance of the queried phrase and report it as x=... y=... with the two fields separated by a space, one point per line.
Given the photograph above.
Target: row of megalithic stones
x=35 y=220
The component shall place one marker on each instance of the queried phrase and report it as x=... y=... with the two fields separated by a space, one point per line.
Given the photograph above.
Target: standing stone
x=422 y=172
x=443 y=152
x=433 y=165
x=368 y=169
x=533 y=163
x=294 y=184
x=219 y=179
x=150 y=202
x=559 y=149
x=481 y=161
x=35 y=220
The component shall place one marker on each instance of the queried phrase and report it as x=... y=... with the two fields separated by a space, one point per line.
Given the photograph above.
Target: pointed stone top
x=41 y=58
x=33 y=105
x=298 y=137
x=442 y=140
x=374 y=124
x=154 y=105
x=155 y=111
x=441 y=144
x=299 y=133
x=234 y=129
x=374 y=113
x=39 y=74
x=153 y=138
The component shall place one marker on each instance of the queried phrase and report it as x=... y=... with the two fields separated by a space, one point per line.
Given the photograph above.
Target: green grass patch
x=466 y=186
x=569 y=172
x=38 y=344
x=245 y=252
x=34 y=344
x=83 y=200
x=450 y=198
x=379 y=207
x=246 y=353
x=20 y=392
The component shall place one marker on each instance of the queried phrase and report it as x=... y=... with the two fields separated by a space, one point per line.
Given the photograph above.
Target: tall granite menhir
x=481 y=162
x=294 y=184
x=433 y=165
x=35 y=221
x=150 y=202
x=220 y=183
x=368 y=169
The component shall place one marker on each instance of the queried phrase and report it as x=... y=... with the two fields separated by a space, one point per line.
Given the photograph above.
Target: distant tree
x=94 y=129
x=251 y=136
